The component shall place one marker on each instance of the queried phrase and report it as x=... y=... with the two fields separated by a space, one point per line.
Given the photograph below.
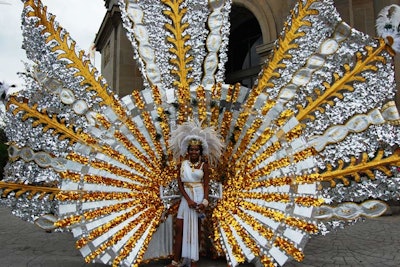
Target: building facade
x=255 y=25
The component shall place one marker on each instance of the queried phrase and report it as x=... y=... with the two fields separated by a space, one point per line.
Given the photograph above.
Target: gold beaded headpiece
x=195 y=142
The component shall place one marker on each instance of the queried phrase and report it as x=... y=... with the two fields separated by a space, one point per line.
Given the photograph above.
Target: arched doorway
x=243 y=61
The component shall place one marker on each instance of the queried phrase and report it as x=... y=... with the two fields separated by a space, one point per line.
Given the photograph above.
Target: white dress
x=192 y=180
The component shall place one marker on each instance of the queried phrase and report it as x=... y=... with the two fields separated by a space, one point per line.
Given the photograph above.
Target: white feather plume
x=181 y=136
x=388 y=26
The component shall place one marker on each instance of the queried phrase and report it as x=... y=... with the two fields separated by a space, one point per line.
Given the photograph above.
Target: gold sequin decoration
x=261 y=140
x=143 y=218
x=184 y=110
x=229 y=221
x=156 y=95
x=247 y=137
x=102 y=165
x=269 y=197
x=78 y=158
x=217 y=239
x=73 y=176
x=94 y=196
x=232 y=95
x=95 y=179
x=216 y=95
x=301 y=224
x=304 y=154
x=226 y=123
x=103 y=121
x=68 y=221
x=148 y=122
x=90 y=215
x=151 y=221
x=294 y=133
x=257 y=226
x=289 y=248
x=138 y=100
x=136 y=152
x=163 y=119
x=308 y=178
x=236 y=250
x=229 y=93
x=107 y=166
x=102 y=229
x=164 y=125
x=246 y=238
x=268 y=152
x=141 y=139
x=274 y=165
x=266 y=261
x=267 y=212
x=284 y=117
x=202 y=107
x=280 y=181
x=244 y=114
x=169 y=173
x=68 y=195
x=236 y=92
x=309 y=201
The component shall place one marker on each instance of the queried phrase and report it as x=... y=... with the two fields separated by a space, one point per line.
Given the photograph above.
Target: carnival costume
x=192 y=180
x=320 y=116
x=191 y=176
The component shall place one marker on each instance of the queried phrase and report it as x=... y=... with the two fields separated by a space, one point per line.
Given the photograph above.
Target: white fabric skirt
x=190 y=238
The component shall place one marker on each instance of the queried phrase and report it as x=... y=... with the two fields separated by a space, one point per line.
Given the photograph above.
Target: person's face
x=194 y=152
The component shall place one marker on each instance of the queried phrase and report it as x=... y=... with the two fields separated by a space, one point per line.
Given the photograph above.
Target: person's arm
x=206 y=185
x=190 y=202
x=206 y=179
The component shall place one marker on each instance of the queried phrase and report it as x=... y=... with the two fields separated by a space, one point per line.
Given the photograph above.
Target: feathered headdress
x=188 y=131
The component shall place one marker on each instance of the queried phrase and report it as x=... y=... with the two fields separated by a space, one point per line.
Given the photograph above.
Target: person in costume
x=321 y=112
x=193 y=184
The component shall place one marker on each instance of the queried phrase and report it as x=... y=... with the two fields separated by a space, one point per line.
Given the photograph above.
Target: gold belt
x=193 y=185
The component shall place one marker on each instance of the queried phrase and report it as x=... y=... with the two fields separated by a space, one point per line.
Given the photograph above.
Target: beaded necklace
x=193 y=165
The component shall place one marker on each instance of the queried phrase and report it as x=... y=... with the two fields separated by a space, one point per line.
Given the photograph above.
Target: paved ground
x=375 y=242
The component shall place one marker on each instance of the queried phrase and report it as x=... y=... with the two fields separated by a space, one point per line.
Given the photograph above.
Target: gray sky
x=81 y=18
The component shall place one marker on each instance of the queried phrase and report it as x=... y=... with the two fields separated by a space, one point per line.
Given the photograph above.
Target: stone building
x=255 y=25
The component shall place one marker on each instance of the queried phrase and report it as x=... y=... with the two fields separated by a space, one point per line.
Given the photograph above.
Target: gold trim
x=180 y=49
x=31 y=190
x=342 y=84
x=360 y=166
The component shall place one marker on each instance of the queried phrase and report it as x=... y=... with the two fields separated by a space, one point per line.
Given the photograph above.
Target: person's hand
x=192 y=204
x=200 y=207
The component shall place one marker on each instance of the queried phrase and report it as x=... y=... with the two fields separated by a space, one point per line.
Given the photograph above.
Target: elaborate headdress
x=187 y=132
